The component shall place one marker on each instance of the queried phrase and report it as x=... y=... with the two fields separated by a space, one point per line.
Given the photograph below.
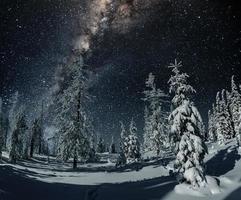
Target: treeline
x=20 y=137
x=224 y=119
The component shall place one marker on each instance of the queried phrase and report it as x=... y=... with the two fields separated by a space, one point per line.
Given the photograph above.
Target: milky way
x=121 y=41
x=117 y=17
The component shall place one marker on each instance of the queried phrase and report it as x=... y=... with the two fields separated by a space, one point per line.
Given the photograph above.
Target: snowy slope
x=224 y=164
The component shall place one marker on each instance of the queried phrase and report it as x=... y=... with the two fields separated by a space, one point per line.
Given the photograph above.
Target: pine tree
x=147 y=145
x=228 y=114
x=239 y=131
x=225 y=129
x=218 y=117
x=159 y=136
x=112 y=146
x=123 y=151
x=101 y=146
x=211 y=127
x=17 y=139
x=6 y=129
x=36 y=137
x=214 y=117
x=92 y=152
x=132 y=146
x=1 y=129
x=154 y=135
x=185 y=123
x=234 y=104
x=178 y=84
x=72 y=119
x=12 y=117
x=26 y=144
x=40 y=135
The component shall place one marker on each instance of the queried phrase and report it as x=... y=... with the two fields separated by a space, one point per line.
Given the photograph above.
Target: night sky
x=205 y=35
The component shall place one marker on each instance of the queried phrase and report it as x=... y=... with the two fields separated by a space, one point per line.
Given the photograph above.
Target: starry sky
x=205 y=35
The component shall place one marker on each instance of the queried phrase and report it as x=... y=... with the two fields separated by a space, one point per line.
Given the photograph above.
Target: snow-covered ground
x=223 y=166
x=87 y=174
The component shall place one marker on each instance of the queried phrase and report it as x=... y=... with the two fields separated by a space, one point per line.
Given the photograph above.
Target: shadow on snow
x=222 y=162
x=16 y=185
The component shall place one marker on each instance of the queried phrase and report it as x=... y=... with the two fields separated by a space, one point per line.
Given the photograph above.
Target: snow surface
x=223 y=175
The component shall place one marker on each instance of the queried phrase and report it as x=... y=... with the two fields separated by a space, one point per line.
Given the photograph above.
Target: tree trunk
x=40 y=145
x=75 y=162
x=31 y=148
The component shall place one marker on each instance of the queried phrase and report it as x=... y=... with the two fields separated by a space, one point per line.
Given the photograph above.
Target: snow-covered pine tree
x=178 y=84
x=13 y=102
x=123 y=151
x=17 y=137
x=132 y=145
x=91 y=137
x=234 y=104
x=159 y=135
x=92 y=141
x=153 y=95
x=228 y=114
x=36 y=133
x=112 y=145
x=147 y=146
x=2 y=133
x=219 y=118
x=225 y=129
x=101 y=148
x=40 y=136
x=92 y=154
x=185 y=123
x=214 y=117
x=6 y=129
x=154 y=134
x=72 y=119
x=26 y=144
x=218 y=103
x=239 y=130
x=211 y=127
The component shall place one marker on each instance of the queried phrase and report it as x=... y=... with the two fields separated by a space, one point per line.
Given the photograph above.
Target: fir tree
x=12 y=117
x=40 y=135
x=101 y=146
x=185 y=123
x=159 y=136
x=36 y=137
x=225 y=129
x=147 y=143
x=154 y=135
x=112 y=146
x=211 y=127
x=239 y=131
x=178 y=84
x=72 y=119
x=17 y=139
x=92 y=154
x=234 y=104
x=26 y=144
x=132 y=146
x=123 y=138
x=1 y=129
x=214 y=116
x=6 y=129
